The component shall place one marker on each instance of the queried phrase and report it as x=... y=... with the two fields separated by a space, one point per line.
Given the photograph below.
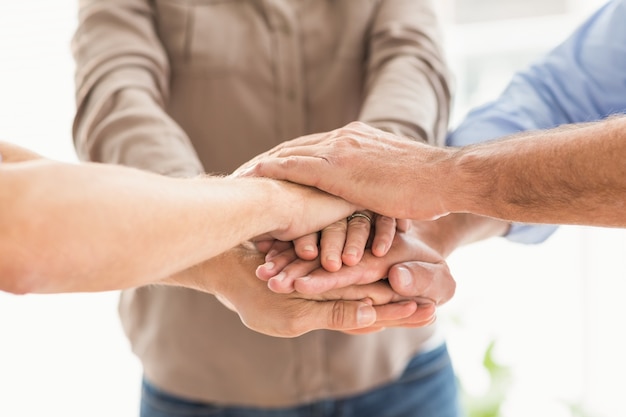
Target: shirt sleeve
x=122 y=75
x=581 y=80
x=407 y=86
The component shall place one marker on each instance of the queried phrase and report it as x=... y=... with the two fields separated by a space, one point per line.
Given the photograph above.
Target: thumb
x=344 y=315
x=432 y=281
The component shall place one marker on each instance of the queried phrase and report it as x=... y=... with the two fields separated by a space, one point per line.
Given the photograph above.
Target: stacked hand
x=362 y=250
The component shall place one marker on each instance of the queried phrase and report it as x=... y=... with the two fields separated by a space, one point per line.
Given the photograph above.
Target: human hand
x=285 y=266
x=301 y=210
x=363 y=165
x=352 y=309
x=13 y=153
x=344 y=241
x=414 y=267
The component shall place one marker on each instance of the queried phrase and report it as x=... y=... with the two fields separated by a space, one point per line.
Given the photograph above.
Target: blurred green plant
x=500 y=381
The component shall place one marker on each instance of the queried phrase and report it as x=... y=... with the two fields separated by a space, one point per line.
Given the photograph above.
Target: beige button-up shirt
x=182 y=87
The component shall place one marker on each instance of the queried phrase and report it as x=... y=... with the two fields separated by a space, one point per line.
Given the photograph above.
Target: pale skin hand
x=14 y=153
x=62 y=224
x=231 y=278
x=343 y=242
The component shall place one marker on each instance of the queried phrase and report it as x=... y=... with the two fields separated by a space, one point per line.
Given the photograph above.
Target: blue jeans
x=427 y=388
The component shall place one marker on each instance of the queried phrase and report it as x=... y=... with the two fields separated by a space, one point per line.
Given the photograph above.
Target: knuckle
x=359 y=223
x=340 y=226
x=337 y=317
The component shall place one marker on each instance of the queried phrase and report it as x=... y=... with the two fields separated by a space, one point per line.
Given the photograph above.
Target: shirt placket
x=309 y=356
x=282 y=18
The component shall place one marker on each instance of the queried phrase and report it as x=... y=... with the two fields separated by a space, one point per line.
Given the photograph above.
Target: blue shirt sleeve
x=581 y=80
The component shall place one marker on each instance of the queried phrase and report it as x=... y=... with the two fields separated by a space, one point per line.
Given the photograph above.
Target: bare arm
x=95 y=227
x=575 y=174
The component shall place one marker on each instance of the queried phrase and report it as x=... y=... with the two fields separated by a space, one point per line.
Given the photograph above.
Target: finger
x=309 y=315
x=376 y=293
x=385 y=231
x=358 y=234
x=345 y=315
x=423 y=315
x=403 y=225
x=283 y=282
x=331 y=245
x=293 y=168
x=306 y=246
x=404 y=314
x=271 y=247
x=277 y=247
x=264 y=246
x=432 y=281
x=364 y=330
x=276 y=265
x=394 y=311
x=320 y=280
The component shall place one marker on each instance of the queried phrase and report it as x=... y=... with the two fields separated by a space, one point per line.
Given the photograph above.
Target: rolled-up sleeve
x=407 y=85
x=581 y=80
x=122 y=75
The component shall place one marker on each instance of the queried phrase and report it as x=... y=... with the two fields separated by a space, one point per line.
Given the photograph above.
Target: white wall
x=59 y=355
x=552 y=308
x=555 y=309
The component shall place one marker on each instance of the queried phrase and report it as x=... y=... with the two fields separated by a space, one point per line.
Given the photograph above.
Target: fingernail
x=352 y=251
x=333 y=258
x=304 y=278
x=309 y=248
x=365 y=315
x=268 y=266
x=381 y=247
x=405 y=277
x=280 y=277
x=271 y=254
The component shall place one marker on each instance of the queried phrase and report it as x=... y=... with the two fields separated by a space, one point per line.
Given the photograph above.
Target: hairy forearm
x=96 y=227
x=571 y=175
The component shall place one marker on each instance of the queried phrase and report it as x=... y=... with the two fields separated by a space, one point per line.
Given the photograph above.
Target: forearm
x=570 y=175
x=94 y=227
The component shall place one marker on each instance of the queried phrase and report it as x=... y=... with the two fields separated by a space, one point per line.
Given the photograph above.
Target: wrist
x=468 y=182
x=448 y=233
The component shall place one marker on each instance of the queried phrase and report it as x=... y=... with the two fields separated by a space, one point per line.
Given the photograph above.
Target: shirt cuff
x=530 y=233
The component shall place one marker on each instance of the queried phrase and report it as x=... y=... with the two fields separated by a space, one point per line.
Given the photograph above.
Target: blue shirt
x=581 y=80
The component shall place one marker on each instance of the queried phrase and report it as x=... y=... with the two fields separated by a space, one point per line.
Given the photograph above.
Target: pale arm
x=95 y=227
